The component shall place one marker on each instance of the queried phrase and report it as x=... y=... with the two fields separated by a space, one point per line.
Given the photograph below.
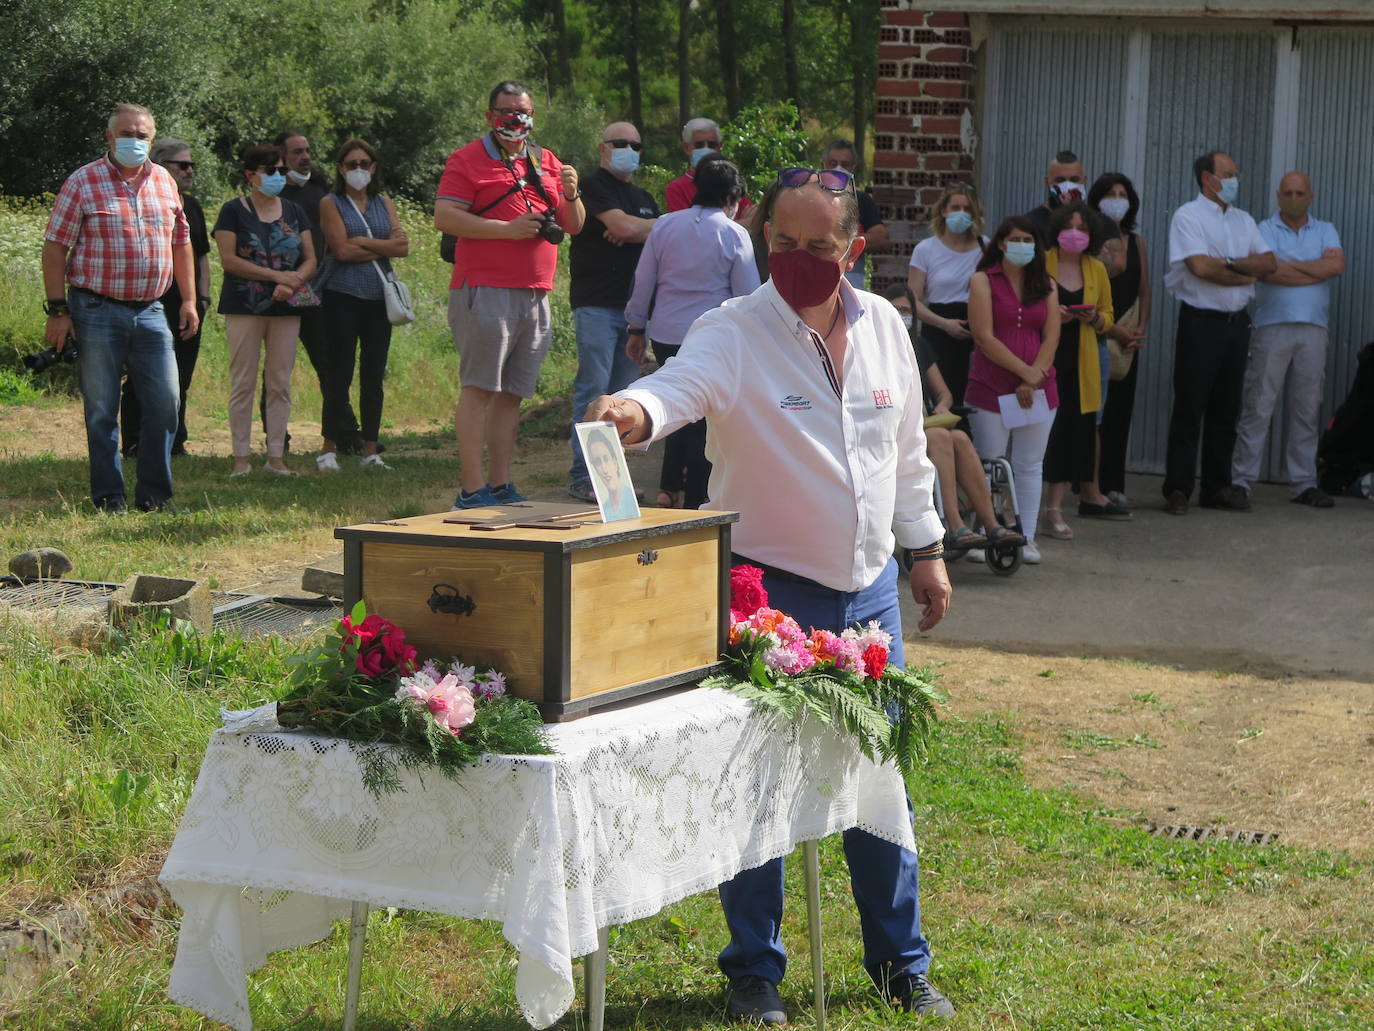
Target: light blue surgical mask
x=1228 y=189
x=130 y=151
x=272 y=184
x=1019 y=252
x=958 y=221
x=624 y=161
x=697 y=155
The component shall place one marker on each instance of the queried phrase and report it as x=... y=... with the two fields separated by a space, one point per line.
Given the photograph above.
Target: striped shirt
x=120 y=234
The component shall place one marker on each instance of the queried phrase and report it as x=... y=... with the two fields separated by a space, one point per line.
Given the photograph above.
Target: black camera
x=40 y=361
x=550 y=229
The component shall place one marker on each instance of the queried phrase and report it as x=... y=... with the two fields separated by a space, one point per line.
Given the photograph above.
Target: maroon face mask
x=802 y=279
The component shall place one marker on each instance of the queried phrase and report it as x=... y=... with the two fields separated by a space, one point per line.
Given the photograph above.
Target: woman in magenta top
x=1015 y=333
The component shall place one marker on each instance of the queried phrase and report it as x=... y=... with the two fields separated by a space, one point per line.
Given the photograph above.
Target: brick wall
x=925 y=84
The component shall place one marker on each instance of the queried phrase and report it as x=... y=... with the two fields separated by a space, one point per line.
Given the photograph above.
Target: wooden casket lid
x=568 y=527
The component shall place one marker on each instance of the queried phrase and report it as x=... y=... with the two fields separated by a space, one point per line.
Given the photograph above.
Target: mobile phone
x=1081 y=307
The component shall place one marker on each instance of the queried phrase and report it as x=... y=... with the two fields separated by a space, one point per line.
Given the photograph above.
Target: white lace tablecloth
x=638 y=809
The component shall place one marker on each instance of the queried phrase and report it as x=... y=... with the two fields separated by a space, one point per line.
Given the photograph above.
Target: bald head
x=617 y=136
x=1295 y=195
x=820 y=221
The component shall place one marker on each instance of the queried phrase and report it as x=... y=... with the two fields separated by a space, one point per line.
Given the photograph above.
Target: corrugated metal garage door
x=1146 y=100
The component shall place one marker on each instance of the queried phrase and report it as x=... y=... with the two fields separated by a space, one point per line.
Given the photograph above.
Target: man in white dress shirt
x=814 y=420
x=1216 y=254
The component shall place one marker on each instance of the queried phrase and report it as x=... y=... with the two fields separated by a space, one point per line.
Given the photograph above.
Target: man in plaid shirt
x=117 y=239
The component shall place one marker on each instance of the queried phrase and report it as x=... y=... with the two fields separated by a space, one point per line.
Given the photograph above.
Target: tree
x=632 y=65
x=789 y=54
x=729 y=56
x=684 y=72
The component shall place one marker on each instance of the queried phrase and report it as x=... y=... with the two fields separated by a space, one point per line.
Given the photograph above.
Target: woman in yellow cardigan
x=1085 y=298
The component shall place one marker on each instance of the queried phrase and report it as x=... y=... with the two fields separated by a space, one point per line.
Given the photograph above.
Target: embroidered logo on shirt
x=795 y=403
x=882 y=399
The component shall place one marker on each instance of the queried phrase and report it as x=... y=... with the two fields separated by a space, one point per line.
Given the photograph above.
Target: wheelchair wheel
x=1003 y=559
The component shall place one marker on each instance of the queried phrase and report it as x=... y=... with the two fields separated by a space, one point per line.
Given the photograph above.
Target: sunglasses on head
x=270 y=169
x=185 y=166
x=634 y=145
x=713 y=144
x=836 y=180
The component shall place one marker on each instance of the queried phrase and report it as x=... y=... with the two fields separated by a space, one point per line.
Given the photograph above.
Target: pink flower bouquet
x=844 y=679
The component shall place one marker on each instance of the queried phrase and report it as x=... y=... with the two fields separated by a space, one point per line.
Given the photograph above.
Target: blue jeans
x=112 y=338
x=884 y=878
x=603 y=367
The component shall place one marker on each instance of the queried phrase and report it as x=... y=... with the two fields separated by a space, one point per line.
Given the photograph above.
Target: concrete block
x=145 y=594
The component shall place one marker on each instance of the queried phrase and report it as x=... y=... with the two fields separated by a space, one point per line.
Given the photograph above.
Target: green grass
x=1044 y=911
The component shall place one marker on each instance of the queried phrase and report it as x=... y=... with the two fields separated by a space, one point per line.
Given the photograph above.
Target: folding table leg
x=811 y=854
x=594 y=981
x=357 y=934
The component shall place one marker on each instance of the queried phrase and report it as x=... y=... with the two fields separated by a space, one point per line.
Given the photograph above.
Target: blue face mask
x=697 y=155
x=272 y=184
x=1228 y=189
x=130 y=152
x=1019 y=252
x=624 y=161
x=958 y=221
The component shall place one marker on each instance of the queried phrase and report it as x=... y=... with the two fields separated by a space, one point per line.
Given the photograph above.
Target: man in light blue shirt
x=1290 y=320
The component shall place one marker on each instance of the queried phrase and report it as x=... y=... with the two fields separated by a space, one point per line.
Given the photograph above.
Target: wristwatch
x=635 y=331
x=55 y=306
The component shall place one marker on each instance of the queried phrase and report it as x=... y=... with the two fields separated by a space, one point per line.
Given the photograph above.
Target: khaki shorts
x=501 y=334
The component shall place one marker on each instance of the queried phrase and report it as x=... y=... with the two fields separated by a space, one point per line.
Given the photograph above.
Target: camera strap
x=536 y=179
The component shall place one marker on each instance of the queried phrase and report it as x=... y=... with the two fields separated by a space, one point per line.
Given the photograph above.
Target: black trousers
x=953 y=356
x=685 y=467
x=1116 y=430
x=353 y=327
x=131 y=411
x=1209 y=377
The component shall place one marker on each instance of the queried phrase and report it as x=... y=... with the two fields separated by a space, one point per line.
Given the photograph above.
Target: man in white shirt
x=814 y=420
x=1216 y=254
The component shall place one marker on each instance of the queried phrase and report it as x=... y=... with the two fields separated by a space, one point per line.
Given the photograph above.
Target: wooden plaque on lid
x=577 y=613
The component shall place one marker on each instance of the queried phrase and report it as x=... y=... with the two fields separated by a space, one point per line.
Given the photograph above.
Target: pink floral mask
x=1073 y=241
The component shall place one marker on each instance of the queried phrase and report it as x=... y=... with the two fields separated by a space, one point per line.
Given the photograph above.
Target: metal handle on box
x=445 y=598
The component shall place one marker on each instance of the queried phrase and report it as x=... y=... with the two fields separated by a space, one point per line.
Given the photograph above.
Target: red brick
x=893 y=123
x=930 y=195
x=947 y=55
x=894 y=159
x=899 y=88
x=940 y=126
x=942 y=19
x=891 y=17
x=945 y=89
x=939 y=162
x=897 y=51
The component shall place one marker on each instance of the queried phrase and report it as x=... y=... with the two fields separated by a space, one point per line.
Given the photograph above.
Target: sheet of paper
x=1013 y=415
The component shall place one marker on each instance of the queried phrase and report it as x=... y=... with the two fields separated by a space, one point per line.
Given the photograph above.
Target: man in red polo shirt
x=505 y=200
x=700 y=138
x=117 y=238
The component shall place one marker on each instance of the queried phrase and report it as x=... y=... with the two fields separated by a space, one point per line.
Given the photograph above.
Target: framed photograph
x=615 y=492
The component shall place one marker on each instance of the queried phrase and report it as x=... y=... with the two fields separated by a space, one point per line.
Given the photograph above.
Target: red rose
x=363 y=633
x=875 y=661
x=372 y=663
x=394 y=647
x=747 y=595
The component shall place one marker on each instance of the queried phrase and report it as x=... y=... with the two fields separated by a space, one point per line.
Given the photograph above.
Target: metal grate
x=1184 y=832
x=243 y=615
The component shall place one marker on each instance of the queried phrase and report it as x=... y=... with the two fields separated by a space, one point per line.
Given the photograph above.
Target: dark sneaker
x=582 y=492
x=506 y=494
x=111 y=506
x=1228 y=499
x=755 y=1000
x=915 y=994
x=1176 y=502
x=1314 y=496
x=159 y=506
x=480 y=498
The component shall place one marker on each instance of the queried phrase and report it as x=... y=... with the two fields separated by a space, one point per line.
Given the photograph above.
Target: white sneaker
x=1030 y=554
x=977 y=555
x=373 y=462
x=327 y=462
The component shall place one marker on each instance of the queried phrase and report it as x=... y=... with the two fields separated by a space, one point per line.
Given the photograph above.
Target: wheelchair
x=1002 y=559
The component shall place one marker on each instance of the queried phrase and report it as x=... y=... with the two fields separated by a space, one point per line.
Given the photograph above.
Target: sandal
x=668 y=499
x=1059 y=530
x=1001 y=536
x=964 y=538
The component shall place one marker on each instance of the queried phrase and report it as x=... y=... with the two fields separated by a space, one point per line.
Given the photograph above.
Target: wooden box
x=577 y=613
